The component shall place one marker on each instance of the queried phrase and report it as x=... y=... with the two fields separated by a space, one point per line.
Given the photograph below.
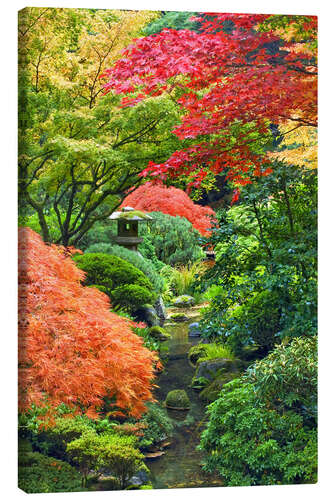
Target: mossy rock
x=184 y=301
x=211 y=392
x=177 y=400
x=178 y=317
x=159 y=333
x=210 y=369
x=147 y=313
x=196 y=352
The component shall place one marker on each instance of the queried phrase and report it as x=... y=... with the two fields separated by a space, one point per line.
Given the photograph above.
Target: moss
x=211 y=392
x=179 y=317
x=196 y=352
x=177 y=400
x=183 y=301
x=134 y=213
x=159 y=333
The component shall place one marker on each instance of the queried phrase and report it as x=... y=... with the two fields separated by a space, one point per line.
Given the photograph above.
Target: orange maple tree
x=173 y=201
x=72 y=348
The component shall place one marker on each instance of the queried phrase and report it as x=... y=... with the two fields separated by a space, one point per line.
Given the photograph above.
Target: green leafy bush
x=257 y=321
x=40 y=474
x=249 y=444
x=134 y=258
x=131 y=297
x=110 y=271
x=263 y=286
x=262 y=428
x=171 y=240
x=287 y=377
x=158 y=426
x=115 y=452
x=53 y=440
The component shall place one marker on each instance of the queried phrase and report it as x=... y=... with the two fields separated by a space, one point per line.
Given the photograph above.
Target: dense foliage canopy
x=236 y=81
x=79 y=153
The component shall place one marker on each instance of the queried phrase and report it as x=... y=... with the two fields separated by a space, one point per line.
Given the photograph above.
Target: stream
x=180 y=466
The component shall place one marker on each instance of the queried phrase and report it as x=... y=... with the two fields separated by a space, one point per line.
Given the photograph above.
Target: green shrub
x=258 y=318
x=134 y=258
x=102 y=288
x=131 y=297
x=24 y=446
x=287 y=377
x=127 y=286
x=115 y=452
x=158 y=426
x=255 y=322
x=40 y=474
x=171 y=240
x=53 y=440
x=262 y=428
x=110 y=271
x=250 y=444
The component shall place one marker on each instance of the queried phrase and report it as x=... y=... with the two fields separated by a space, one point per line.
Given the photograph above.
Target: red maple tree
x=72 y=348
x=173 y=201
x=229 y=79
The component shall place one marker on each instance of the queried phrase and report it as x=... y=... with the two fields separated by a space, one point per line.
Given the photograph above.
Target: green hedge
x=110 y=271
x=134 y=258
x=126 y=285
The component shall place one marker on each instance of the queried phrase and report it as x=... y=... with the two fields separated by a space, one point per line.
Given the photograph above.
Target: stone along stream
x=180 y=466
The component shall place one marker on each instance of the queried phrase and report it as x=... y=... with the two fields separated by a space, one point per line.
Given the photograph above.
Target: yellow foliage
x=70 y=48
x=302 y=146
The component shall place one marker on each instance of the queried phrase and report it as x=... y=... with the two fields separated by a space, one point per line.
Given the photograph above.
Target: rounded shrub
x=103 y=269
x=131 y=297
x=134 y=258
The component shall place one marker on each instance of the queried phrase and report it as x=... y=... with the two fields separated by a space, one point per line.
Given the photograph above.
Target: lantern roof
x=128 y=214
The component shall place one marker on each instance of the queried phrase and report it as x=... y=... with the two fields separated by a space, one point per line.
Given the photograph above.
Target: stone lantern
x=128 y=226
